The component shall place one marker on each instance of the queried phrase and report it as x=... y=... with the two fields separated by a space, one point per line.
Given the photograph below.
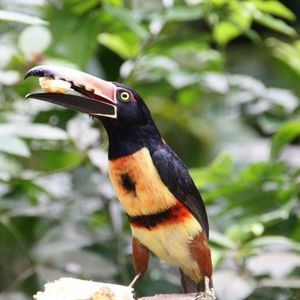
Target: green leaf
x=77 y=48
x=226 y=31
x=274 y=24
x=116 y=3
x=218 y=2
x=123 y=47
x=275 y=241
x=33 y=131
x=288 y=53
x=20 y=18
x=13 y=145
x=219 y=169
x=184 y=13
x=221 y=240
x=83 y=7
x=127 y=18
x=260 y=171
x=53 y=160
x=245 y=230
x=9 y=167
x=274 y=8
x=286 y=133
x=241 y=16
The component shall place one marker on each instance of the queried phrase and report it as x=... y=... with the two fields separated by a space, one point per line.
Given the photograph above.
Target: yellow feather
x=151 y=194
x=170 y=243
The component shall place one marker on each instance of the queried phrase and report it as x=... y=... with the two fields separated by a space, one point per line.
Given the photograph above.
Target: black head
x=122 y=111
x=133 y=128
x=131 y=109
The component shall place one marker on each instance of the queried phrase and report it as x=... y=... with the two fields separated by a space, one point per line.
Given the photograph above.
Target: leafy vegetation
x=222 y=81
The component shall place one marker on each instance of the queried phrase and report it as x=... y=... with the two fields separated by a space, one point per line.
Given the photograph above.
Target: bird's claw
x=208 y=294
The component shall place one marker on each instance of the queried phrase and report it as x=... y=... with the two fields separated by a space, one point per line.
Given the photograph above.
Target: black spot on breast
x=128 y=183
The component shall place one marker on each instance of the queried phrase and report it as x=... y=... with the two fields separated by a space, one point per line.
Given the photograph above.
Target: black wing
x=176 y=177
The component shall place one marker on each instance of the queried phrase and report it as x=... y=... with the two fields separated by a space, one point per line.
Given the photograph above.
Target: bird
x=165 y=210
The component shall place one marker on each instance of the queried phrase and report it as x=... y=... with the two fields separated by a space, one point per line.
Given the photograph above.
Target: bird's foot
x=132 y=284
x=135 y=279
x=208 y=294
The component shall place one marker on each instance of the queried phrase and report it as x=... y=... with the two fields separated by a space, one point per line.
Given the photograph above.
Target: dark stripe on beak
x=77 y=102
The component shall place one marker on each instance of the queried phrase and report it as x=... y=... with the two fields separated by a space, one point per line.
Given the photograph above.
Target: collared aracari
x=165 y=210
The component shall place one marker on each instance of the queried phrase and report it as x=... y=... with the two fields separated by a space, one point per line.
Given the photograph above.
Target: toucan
x=165 y=211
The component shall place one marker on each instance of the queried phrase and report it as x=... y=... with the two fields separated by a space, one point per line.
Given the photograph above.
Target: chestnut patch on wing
x=128 y=183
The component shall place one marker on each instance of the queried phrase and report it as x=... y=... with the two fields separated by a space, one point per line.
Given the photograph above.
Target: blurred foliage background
x=221 y=78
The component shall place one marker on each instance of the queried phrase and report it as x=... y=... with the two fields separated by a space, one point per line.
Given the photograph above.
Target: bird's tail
x=190 y=286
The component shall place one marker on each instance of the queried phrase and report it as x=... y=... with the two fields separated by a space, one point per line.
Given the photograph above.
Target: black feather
x=176 y=177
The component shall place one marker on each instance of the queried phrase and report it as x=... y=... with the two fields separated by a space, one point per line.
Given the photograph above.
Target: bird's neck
x=128 y=139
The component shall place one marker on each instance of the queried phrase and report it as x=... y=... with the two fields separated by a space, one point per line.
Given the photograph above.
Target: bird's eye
x=124 y=96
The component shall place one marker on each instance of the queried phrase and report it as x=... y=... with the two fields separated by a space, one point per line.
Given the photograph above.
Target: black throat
x=126 y=139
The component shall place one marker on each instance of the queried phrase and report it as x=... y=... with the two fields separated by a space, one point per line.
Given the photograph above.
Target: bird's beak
x=76 y=90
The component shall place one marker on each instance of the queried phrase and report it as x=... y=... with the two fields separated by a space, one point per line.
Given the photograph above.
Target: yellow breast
x=138 y=184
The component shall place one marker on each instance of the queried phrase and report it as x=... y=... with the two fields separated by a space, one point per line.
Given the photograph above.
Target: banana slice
x=50 y=85
x=75 y=289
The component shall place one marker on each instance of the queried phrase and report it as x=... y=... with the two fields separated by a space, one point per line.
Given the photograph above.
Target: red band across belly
x=175 y=214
